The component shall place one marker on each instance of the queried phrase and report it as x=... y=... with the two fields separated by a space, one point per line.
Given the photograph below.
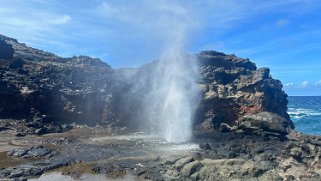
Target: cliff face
x=41 y=90
x=233 y=87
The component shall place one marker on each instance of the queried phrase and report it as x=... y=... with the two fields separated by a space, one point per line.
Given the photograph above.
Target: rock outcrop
x=44 y=91
x=231 y=156
x=233 y=87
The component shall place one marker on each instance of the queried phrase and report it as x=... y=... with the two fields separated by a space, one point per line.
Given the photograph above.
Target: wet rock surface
x=215 y=156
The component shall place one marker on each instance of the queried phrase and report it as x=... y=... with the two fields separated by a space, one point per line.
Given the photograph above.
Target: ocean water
x=305 y=112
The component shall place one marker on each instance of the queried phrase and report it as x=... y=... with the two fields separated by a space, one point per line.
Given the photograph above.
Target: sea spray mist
x=174 y=94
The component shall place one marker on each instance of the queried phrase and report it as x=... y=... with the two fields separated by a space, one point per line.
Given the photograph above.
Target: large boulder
x=265 y=121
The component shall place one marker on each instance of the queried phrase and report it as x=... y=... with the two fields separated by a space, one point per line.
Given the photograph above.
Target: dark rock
x=17 y=64
x=25 y=172
x=51 y=154
x=53 y=129
x=21 y=134
x=224 y=128
x=232 y=154
x=57 y=164
x=205 y=146
x=40 y=131
x=296 y=153
x=38 y=151
x=66 y=127
x=6 y=50
x=35 y=124
x=265 y=121
x=19 y=152
x=216 y=121
x=289 y=178
x=4 y=128
x=4 y=173
x=17 y=173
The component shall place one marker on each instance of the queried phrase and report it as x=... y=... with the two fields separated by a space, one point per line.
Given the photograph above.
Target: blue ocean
x=305 y=112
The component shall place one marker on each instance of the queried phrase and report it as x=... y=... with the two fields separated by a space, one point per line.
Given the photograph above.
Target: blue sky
x=283 y=35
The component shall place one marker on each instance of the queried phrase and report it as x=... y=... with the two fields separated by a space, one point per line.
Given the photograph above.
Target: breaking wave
x=305 y=112
x=298 y=113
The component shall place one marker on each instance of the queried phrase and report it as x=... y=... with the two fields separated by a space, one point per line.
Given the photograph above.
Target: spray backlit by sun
x=175 y=92
x=170 y=88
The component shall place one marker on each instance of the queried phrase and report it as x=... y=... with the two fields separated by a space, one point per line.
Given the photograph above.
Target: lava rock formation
x=40 y=92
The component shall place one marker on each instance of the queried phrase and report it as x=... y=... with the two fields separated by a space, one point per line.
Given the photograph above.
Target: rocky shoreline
x=216 y=156
x=79 y=116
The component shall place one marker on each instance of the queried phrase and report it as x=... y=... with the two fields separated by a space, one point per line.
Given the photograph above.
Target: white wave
x=299 y=113
x=298 y=117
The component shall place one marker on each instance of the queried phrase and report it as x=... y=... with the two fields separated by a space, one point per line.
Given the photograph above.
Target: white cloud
x=61 y=20
x=282 y=22
x=290 y=84
x=106 y=9
x=318 y=83
x=36 y=23
x=214 y=14
x=172 y=8
x=305 y=84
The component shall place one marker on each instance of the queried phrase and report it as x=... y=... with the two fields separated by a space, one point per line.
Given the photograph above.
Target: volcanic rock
x=48 y=91
x=225 y=128
x=44 y=88
x=6 y=50
x=266 y=123
x=233 y=87
x=38 y=151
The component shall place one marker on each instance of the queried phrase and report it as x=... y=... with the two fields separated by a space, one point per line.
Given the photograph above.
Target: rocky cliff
x=42 y=92
x=233 y=87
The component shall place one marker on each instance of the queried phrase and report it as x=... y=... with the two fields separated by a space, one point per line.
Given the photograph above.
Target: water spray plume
x=169 y=95
x=175 y=91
